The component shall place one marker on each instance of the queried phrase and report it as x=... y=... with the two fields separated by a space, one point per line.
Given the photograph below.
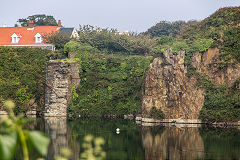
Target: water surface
x=135 y=142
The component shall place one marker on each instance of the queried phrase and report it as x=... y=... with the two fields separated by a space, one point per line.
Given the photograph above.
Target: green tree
x=110 y=41
x=165 y=28
x=57 y=38
x=231 y=44
x=39 y=20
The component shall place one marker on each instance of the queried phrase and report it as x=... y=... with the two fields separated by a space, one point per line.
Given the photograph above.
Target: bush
x=112 y=42
x=231 y=45
x=220 y=104
x=156 y=113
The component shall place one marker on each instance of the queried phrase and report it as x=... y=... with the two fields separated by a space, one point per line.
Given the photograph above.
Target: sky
x=131 y=15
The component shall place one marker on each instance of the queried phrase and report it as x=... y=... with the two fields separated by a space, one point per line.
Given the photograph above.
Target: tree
x=56 y=38
x=110 y=41
x=165 y=28
x=39 y=20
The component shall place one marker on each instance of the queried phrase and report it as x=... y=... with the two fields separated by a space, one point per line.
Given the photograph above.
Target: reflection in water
x=123 y=146
x=221 y=143
x=61 y=137
x=139 y=143
x=172 y=143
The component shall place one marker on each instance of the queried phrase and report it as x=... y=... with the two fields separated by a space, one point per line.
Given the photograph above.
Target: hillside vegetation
x=110 y=84
x=22 y=75
x=114 y=65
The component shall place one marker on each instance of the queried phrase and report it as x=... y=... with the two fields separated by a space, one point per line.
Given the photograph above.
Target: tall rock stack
x=168 y=88
x=61 y=77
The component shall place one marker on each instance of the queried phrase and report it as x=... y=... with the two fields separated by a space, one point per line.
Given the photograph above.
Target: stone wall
x=61 y=76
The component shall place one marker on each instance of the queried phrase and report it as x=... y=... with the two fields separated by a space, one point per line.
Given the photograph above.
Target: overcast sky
x=131 y=15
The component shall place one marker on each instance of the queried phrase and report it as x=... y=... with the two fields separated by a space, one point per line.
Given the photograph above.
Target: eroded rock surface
x=208 y=64
x=168 y=88
x=61 y=77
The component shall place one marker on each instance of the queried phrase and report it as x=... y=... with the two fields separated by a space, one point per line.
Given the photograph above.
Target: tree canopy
x=165 y=28
x=56 y=38
x=39 y=20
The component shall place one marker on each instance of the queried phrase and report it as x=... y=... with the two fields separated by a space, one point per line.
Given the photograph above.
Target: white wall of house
x=74 y=34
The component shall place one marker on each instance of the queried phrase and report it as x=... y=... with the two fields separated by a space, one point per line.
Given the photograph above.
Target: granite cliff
x=170 y=90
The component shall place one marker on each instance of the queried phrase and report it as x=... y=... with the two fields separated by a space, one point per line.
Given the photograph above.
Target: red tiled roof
x=27 y=35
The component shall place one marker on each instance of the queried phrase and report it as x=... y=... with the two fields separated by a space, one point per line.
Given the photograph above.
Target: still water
x=134 y=142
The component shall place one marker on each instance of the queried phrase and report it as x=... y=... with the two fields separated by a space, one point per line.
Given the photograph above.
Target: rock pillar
x=61 y=77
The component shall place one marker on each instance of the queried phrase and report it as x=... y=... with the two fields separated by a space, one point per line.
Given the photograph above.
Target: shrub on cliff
x=231 y=45
x=221 y=103
x=156 y=113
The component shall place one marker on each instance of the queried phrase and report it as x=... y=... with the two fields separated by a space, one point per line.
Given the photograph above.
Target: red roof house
x=30 y=36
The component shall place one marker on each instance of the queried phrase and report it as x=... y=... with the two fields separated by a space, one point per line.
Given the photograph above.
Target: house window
x=38 y=38
x=15 y=38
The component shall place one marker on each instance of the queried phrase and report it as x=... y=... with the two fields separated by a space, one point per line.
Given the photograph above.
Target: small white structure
x=15 y=38
x=38 y=38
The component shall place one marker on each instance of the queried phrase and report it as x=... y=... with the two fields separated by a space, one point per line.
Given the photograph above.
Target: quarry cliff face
x=209 y=65
x=169 y=89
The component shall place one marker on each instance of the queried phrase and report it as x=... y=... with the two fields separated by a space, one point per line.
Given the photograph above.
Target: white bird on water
x=117 y=130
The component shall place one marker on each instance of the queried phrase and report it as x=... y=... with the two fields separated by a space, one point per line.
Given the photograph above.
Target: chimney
x=59 y=23
x=30 y=24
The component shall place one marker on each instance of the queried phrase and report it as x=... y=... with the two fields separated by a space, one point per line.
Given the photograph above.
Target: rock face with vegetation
x=209 y=64
x=169 y=90
x=205 y=83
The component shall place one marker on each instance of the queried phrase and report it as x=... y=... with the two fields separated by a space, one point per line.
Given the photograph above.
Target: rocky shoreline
x=181 y=122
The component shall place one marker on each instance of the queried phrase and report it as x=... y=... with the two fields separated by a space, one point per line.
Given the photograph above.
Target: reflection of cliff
x=174 y=143
x=61 y=137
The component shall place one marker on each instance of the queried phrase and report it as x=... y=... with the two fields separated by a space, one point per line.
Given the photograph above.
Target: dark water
x=139 y=142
